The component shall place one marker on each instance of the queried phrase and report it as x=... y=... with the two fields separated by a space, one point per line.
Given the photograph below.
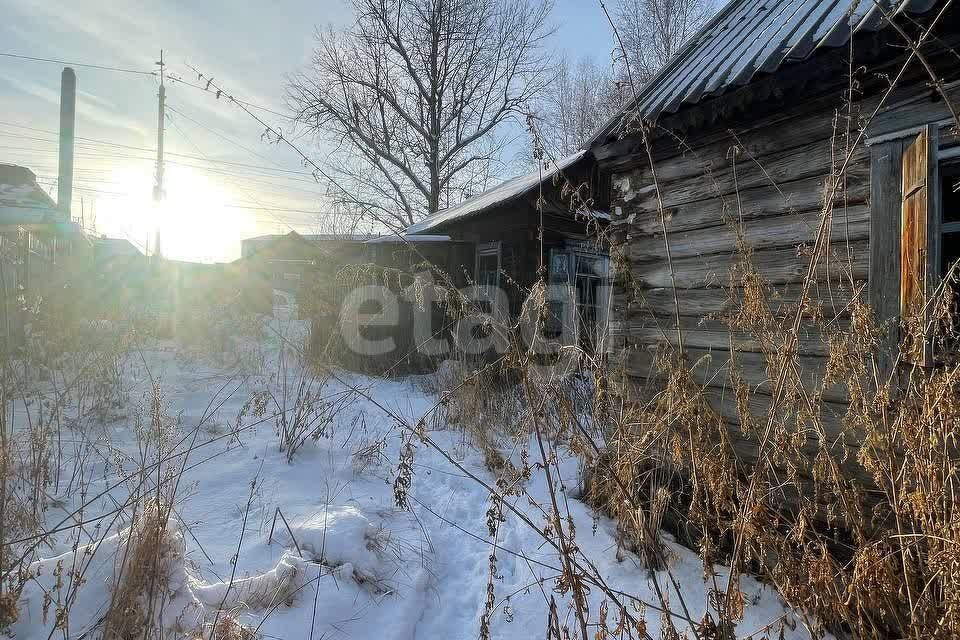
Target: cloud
x=247 y=47
x=98 y=111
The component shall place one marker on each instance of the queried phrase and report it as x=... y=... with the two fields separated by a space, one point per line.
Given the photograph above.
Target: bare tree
x=582 y=96
x=654 y=30
x=414 y=95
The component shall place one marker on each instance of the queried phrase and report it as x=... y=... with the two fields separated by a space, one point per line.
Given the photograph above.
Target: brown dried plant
x=144 y=570
x=854 y=517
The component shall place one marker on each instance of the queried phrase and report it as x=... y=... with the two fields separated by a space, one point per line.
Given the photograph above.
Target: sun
x=195 y=218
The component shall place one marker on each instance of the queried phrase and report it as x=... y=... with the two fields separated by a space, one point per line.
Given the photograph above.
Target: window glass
x=950 y=193
x=488 y=270
x=949 y=251
x=595 y=266
x=559 y=267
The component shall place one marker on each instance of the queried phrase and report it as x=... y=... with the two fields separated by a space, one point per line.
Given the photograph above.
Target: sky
x=223 y=181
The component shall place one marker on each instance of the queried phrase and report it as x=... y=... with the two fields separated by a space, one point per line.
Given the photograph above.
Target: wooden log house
x=548 y=221
x=550 y=218
x=746 y=128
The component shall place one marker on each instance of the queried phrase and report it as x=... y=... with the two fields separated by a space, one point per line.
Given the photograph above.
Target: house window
x=488 y=266
x=929 y=235
x=558 y=276
x=591 y=276
x=587 y=271
x=949 y=213
x=601 y=190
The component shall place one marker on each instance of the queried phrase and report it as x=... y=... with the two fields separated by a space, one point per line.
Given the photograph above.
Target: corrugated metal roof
x=749 y=37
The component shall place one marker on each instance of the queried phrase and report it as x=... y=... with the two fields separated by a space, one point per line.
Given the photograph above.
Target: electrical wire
x=135 y=148
x=79 y=183
x=244 y=102
x=218 y=134
x=85 y=65
x=262 y=207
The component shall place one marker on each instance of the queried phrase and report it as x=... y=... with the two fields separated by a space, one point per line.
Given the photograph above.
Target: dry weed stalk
x=144 y=568
x=227 y=628
x=853 y=517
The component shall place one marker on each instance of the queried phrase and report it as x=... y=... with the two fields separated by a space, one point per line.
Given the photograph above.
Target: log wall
x=760 y=177
x=763 y=182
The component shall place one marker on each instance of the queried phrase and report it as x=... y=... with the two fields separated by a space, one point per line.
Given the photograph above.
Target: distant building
x=36 y=238
x=546 y=225
x=24 y=205
x=548 y=220
x=105 y=248
x=287 y=261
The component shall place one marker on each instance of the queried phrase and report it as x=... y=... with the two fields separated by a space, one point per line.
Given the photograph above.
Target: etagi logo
x=374 y=317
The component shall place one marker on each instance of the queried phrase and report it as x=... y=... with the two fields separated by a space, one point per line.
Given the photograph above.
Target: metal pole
x=158 y=187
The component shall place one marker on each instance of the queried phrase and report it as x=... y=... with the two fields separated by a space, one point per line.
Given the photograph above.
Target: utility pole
x=158 y=187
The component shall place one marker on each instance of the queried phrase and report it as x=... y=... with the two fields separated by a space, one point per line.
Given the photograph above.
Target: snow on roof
x=27 y=215
x=503 y=192
x=22 y=201
x=407 y=238
x=117 y=247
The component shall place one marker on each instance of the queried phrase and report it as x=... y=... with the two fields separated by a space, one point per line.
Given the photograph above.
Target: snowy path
x=385 y=572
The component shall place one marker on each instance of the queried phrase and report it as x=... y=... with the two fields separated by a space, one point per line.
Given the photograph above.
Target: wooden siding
x=765 y=185
x=726 y=174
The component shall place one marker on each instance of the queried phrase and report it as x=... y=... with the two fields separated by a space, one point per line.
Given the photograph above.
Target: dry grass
x=144 y=571
x=853 y=518
x=485 y=404
x=227 y=628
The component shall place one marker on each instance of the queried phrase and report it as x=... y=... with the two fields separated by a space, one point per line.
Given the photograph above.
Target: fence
x=27 y=260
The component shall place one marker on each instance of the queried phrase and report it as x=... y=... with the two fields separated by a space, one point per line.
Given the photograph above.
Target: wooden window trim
x=917 y=214
x=890 y=194
x=920 y=240
x=485 y=249
x=885 y=205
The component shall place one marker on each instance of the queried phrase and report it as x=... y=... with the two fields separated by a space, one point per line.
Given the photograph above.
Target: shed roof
x=751 y=37
x=500 y=194
x=116 y=247
x=23 y=202
x=320 y=241
x=405 y=238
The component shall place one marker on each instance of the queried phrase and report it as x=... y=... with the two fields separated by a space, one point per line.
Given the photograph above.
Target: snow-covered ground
x=351 y=564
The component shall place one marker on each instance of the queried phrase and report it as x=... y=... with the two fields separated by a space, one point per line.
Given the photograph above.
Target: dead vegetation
x=62 y=393
x=143 y=574
x=858 y=529
x=852 y=517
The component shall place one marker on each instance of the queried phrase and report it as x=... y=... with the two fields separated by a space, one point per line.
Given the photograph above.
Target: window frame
x=572 y=252
x=485 y=250
x=889 y=207
x=948 y=162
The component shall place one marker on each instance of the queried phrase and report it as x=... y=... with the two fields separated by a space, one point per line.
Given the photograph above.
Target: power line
x=258 y=206
x=282 y=210
x=218 y=134
x=135 y=148
x=269 y=182
x=389 y=224
x=101 y=67
x=219 y=93
x=194 y=145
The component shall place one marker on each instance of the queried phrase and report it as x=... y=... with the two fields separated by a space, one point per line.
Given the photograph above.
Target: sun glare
x=194 y=219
